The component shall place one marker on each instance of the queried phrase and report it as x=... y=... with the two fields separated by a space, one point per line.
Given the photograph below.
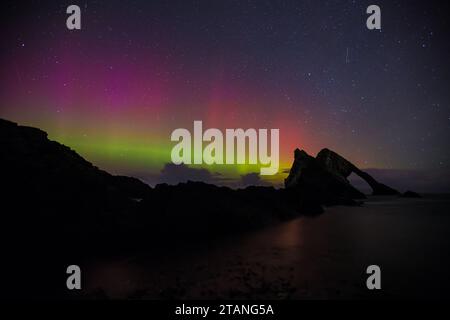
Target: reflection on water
x=320 y=257
x=288 y=235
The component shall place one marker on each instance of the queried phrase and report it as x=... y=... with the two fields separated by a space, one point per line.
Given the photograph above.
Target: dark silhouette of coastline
x=57 y=206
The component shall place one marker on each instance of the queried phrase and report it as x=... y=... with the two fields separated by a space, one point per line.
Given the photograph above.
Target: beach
x=321 y=257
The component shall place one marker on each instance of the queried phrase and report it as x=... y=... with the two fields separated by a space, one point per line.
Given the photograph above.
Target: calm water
x=321 y=257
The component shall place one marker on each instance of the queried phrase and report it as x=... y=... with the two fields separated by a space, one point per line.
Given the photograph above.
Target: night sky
x=115 y=90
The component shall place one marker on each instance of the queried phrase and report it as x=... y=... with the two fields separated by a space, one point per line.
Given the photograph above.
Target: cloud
x=174 y=174
x=252 y=179
x=430 y=181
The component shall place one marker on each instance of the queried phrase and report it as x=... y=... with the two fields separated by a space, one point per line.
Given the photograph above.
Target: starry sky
x=116 y=89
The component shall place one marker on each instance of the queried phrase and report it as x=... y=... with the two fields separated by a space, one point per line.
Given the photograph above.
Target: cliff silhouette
x=56 y=206
x=48 y=186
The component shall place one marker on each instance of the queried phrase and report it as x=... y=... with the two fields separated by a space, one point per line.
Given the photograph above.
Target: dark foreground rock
x=325 y=178
x=58 y=208
x=411 y=194
x=50 y=191
x=52 y=194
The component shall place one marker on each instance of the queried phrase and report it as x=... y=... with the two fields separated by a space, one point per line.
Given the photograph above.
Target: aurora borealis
x=115 y=90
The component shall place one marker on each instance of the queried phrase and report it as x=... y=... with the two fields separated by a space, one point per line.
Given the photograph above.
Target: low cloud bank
x=432 y=181
x=417 y=180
